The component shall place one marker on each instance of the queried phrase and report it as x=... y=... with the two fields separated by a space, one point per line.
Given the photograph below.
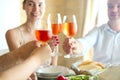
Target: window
x=9 y=18
x=102 y=12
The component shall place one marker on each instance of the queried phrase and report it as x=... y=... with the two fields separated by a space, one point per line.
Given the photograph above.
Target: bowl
x=53 y=71
x=50 y=74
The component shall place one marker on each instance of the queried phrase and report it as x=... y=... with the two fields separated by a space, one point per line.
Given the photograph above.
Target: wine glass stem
x=55 y=51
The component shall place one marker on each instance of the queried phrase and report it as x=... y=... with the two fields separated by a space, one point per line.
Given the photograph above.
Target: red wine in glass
x=43 y=35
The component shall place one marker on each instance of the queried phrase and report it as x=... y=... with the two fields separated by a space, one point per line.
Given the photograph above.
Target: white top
x=106 y=43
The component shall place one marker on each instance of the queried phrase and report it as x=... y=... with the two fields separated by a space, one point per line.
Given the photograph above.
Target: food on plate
x=90 y=65
x=78 y=77
x=88 y=68
x=83 y=77
x=82 y=72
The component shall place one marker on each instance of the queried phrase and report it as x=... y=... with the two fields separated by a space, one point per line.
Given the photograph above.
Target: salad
x=82 y=77
x=78 y=77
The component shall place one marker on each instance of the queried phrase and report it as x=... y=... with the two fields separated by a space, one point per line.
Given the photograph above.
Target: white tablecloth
x=112 y=73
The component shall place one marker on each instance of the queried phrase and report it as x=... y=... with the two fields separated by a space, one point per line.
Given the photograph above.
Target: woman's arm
x=13 y=39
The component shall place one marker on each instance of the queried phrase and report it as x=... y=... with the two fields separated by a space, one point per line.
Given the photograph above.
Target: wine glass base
x=46 y=64
x=43 y=66
x=56 y=54
x=72 y=55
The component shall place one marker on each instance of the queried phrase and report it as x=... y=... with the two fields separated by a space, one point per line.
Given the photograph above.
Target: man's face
x=113 y=9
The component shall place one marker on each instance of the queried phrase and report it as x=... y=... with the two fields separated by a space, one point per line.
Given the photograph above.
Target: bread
x=90 y=65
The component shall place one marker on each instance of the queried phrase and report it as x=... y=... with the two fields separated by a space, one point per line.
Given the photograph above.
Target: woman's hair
x=24 y=1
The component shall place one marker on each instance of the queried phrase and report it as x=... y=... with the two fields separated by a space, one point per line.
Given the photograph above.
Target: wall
x=9 y=18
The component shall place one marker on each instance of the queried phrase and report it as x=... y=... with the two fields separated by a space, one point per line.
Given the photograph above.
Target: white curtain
x=95 y=15
x=90 y=15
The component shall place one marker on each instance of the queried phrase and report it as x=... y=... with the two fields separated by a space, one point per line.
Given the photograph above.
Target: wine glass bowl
x=56 y=28
x=43 y=35
x=55 y=21
x=70 y=29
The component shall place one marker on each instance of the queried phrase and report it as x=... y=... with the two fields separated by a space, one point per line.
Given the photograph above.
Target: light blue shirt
x=106 y=43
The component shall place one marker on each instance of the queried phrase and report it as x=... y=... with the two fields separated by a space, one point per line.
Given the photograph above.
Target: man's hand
x=42 y=53
x=70 y=45
x=14 y=57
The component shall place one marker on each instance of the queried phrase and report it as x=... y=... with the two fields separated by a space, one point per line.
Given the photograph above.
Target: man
x=31 y=54
x=105 y=39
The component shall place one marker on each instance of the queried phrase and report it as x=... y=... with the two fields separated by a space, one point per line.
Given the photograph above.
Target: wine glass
x=55 y=23
x=70 y=29
x=43 y=34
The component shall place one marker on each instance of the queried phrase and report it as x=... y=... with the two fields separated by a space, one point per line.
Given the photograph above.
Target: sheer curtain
x=95 y=15
x=90 y=15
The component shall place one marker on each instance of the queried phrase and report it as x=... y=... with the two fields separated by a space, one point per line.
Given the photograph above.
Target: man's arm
x=12 y=58
x=23 y=70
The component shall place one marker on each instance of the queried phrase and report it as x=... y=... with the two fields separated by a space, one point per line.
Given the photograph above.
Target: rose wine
x=56 y=28
x=43 y=35
x=70 y=29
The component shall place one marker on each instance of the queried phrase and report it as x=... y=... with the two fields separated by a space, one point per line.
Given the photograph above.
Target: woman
x=24 y=33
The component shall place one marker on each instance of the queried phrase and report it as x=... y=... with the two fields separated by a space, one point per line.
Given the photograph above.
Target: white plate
x=93 y=72
x=53 y=71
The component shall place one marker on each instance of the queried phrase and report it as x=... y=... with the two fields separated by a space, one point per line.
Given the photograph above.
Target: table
x=112 y=73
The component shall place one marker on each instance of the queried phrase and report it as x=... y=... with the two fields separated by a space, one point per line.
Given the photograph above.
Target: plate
x=53 y=71
x=92 y=72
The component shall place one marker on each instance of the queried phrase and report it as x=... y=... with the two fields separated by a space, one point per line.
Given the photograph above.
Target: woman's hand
x=54 y=42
